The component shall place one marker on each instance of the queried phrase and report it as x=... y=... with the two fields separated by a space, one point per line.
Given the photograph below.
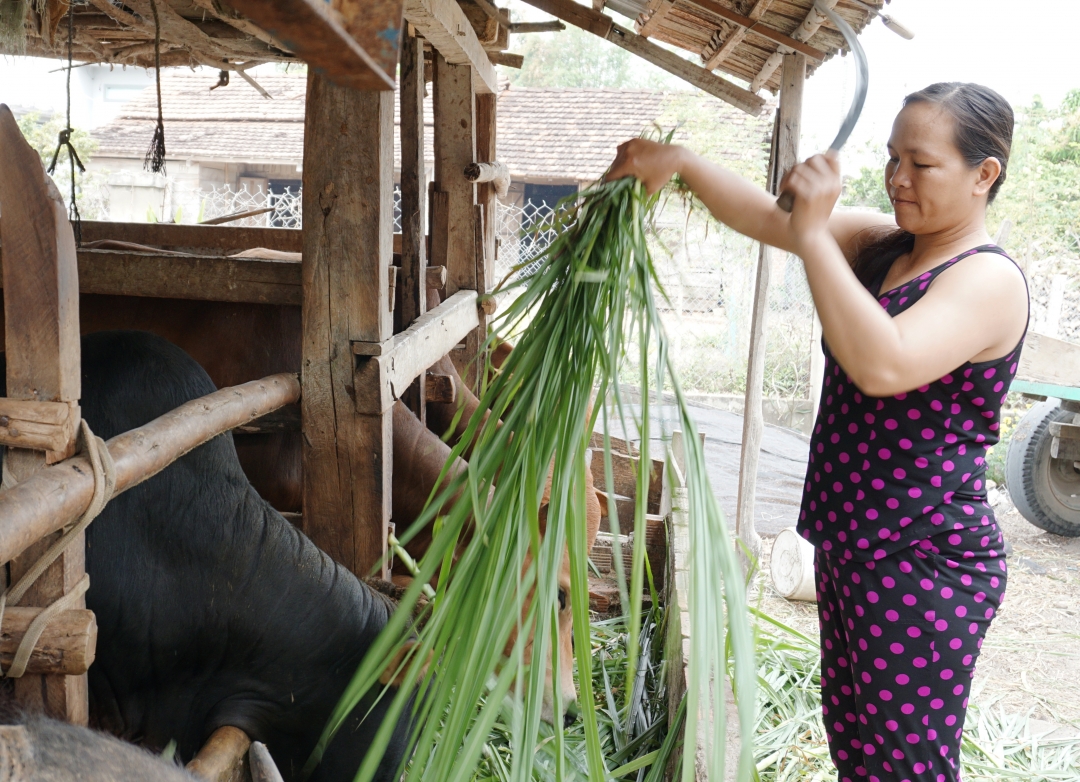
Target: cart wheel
x=1046 y=491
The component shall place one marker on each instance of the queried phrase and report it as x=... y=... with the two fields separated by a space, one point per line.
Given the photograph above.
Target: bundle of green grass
x=589 y=300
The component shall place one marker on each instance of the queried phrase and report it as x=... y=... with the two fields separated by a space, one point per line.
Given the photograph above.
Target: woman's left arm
x=959 y=317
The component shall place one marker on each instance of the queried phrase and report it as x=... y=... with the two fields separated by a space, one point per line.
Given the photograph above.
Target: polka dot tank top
x=886 y=473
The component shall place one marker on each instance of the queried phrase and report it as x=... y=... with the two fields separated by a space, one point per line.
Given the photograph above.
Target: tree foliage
x=42 y=135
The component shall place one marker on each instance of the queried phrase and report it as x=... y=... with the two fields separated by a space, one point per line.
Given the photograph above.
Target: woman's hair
x=984 y=128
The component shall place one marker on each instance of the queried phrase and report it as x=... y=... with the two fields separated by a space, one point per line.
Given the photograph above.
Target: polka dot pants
x=899 y=640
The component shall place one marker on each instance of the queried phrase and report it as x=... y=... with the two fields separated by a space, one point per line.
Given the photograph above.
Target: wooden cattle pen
x=361 y=290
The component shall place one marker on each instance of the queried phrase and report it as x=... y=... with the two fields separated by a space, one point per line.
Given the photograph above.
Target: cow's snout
x=571 y=714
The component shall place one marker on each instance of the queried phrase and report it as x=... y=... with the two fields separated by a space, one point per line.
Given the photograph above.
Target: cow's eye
x=562 y=599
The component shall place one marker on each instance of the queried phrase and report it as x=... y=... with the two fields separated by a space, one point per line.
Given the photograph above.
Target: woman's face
x=930 y=184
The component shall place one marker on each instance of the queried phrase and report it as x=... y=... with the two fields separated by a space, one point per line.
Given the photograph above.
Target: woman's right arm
x=749 y=209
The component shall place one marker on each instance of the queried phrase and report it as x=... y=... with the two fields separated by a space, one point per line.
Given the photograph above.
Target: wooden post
x=413 y=250
x=348 y=203
x=453 y=231
x=487 y=200
x=41 y=318
x=785 y=153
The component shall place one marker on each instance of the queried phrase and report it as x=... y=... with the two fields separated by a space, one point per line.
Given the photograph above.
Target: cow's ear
x=394 y=675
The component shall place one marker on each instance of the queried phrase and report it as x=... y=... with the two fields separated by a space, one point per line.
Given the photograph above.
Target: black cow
x=212 y=609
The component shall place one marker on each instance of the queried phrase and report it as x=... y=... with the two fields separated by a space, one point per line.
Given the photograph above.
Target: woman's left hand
x=815 y=183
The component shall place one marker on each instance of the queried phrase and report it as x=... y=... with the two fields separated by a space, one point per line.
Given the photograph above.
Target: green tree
x=867 y=188
x=42 y=135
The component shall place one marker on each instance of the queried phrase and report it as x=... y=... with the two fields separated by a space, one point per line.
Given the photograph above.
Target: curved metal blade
x=862 y=73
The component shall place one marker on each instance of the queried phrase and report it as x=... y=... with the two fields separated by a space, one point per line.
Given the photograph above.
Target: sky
x=1019 y=49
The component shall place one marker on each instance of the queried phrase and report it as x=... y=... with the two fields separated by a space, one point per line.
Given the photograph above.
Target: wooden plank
x=655 y=13
x=41 y=320
x=1045 y=390
x=785 y=153
x=331 y=38
x=598 y=24
x=410 y=353
x=454 y=106
x=1050 y=361
x=413 y=189
x=56 y=496
x=445 y=26
x=205 y=278
x=200 y=239
x=348 y=203
x=716 y=58
x=755 y=27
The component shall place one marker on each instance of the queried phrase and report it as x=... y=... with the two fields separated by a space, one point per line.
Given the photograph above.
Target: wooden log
x=347 y=251
x=596 y=23
x=496 y=173
x=41 y=319
x=339 y=41
x=785 y=154
x=285 y=419
x=509 y=59
x=57 y=495
x=237 y=216
x=413 y=188
x=263 y=768
x=66 y=645
x=200 y=239
x=223 y=758
x=488 y=7
x=487 y=195
x=444 y=24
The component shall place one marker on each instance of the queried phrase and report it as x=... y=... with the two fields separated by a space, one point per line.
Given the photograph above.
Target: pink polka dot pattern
x=897 y=656
x=886 y=473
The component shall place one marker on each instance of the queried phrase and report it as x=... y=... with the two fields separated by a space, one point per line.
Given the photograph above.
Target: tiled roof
x=556 y=133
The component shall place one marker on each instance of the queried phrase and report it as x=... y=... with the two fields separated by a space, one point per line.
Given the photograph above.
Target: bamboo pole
x=55 y=496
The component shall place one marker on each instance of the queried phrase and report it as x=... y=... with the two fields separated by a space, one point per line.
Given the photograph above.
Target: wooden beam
x=755 y=27
x=348 y=204
x=253 y=280
x=492 y=12
x=713 y=59
x=554 y=26
x=352 y=44
x=445 y=26
x=785 y=154
x=67 y=644
x=54 y=497
x=649 y=21
x=487 y=195
x=413 y=189
x=600 y=25
x=804 y=32
x=41 y=320
x=509 y=59
x=454 y=239
x=200 y=239
x=408 y=354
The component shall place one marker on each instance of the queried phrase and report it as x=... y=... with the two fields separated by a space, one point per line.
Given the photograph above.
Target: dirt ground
x=1030 y=662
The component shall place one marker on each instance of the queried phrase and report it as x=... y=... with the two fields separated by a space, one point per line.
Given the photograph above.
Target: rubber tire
x=1046 y=491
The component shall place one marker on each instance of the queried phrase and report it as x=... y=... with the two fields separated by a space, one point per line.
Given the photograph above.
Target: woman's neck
x=932 y=247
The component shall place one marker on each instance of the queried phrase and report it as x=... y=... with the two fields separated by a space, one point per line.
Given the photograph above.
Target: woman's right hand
x=650 y=161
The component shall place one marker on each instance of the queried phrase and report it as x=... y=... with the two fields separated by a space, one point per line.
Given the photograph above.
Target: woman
x=923 y=321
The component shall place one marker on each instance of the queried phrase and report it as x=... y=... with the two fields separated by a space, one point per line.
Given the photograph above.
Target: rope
x=65 y=137
x=104 y=469
x=155 y=155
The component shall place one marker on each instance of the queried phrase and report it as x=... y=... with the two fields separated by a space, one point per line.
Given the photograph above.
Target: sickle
x=862 y=79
